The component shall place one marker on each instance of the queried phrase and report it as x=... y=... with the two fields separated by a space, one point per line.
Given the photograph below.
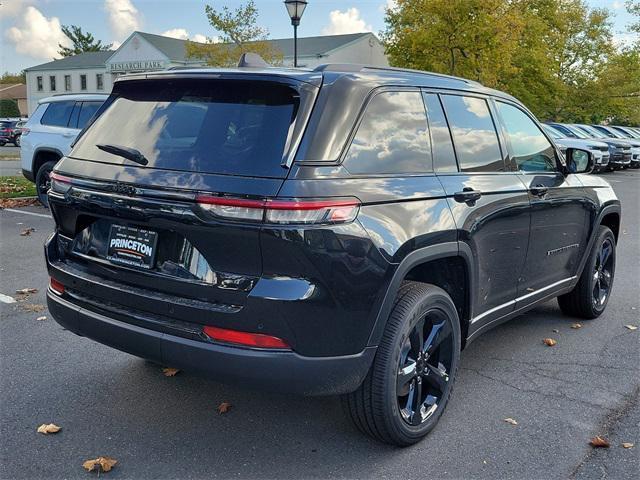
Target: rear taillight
x=257 y=340
x=60 y=183
x=56 y=286
x=283 y=212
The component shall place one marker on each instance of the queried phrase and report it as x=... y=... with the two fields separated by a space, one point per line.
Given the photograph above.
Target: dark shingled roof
x=82 y=60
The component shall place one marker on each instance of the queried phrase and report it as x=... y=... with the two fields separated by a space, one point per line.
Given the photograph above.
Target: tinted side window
x=444 y=157
x=86 y=112
x=474 y=134
x=57 y=114
x=531 y=150
x=392 y=137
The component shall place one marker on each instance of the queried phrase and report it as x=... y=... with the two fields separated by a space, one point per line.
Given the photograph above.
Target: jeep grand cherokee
x=346 y=230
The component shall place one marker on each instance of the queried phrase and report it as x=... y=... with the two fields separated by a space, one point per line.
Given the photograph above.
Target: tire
x=376 y=408
x=16 y=141
x=590 y=296
x=43 y=182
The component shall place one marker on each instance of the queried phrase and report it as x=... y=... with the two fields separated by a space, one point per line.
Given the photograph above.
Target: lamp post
x=295 y=9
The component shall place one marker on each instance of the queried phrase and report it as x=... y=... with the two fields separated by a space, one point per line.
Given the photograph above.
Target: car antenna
x=252 y=60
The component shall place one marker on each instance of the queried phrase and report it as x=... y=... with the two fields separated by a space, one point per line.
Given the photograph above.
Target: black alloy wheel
x=43 y=182
x=590 y=296
x=411 y=380
x=425 y=360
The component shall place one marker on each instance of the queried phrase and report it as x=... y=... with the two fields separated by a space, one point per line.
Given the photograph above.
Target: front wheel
x=411 y=379
x=590 y=296
x=16 y=141
x=43 y=182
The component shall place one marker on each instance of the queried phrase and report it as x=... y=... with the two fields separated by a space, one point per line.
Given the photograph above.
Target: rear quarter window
x=392 y=137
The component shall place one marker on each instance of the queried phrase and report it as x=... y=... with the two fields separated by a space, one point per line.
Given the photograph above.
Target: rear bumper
x=279 y=371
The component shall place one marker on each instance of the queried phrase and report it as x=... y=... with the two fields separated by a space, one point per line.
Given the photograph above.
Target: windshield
x=609 y=132
x=590 y=131
x=199 y=125
x=553 y=133
x=576 y=131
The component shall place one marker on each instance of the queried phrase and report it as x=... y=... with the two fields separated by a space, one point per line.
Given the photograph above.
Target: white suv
x=49 y=133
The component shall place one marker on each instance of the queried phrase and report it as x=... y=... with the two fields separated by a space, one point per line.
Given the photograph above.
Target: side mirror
x=579 y=161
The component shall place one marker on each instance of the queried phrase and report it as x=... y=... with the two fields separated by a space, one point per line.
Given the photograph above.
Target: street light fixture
x=295 y=9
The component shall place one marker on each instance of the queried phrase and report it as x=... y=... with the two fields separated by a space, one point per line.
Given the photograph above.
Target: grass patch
x=12 y=187
x=9 y=156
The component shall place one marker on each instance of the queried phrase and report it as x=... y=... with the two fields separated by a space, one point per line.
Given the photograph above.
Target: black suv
x=346 y=230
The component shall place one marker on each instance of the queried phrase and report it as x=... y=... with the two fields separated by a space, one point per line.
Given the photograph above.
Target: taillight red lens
x=60 y=183
x=293 y=212
x=246 y=339
x=56 y=286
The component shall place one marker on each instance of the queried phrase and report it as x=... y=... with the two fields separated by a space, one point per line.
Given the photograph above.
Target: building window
x=52 y=83
x=99 y=81
x=83 y=82
x=67 y=83
x=39 y=84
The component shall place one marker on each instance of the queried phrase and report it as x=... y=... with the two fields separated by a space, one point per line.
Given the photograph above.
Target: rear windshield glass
x=208 y=126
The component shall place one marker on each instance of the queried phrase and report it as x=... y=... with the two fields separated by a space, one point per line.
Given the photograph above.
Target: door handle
x=468 y=196
x=539 y=190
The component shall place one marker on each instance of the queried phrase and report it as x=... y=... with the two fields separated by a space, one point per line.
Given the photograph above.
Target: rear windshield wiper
x=124 y=152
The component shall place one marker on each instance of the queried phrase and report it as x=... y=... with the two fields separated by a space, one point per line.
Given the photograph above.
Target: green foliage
x=240 y=34
x=13 y=78
x=82 y=42
x=9 y=108
x=557 y=56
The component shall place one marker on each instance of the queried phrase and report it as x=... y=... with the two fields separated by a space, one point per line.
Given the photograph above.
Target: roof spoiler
x=252 y=60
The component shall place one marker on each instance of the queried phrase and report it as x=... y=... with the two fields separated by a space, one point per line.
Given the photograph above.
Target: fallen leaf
x=511 y=421
x=19 y=202
x=627 y=445
x=170 y=372
x=27 y=231
x=555 y=330
x=47 y=428
x=42 y=318
x=224 y=407
x=101 y=464
x=631 y=327
x=549 y=342
x=576 y=326
x=33 y=307
x=26 y=291
x=599 y=442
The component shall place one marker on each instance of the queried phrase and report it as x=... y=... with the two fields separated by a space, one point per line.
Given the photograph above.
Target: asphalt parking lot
x=112 y=404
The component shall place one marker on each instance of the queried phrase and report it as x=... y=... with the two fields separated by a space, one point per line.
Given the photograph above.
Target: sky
x=30 y=30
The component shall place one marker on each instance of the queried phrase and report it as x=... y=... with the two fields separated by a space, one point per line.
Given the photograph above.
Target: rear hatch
x=143 y=225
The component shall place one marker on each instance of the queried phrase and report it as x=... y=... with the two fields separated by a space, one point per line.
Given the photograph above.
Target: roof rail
x=351 y=67
x=252 y=60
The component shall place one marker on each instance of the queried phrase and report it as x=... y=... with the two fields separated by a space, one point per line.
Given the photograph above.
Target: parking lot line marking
x=27 y=213
x=6 y=298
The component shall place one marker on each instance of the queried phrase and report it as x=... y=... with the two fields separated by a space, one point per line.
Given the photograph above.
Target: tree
x=82 y=42
x=9 y=108
x=12 y=78
x=240 y=34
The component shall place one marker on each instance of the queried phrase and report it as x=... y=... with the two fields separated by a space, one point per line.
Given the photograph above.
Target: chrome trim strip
x=523 y=297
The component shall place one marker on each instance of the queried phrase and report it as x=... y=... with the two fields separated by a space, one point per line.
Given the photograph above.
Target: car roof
x=75 y=96
x=373 y=75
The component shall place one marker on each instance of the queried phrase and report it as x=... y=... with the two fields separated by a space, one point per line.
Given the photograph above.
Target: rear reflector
x=288 y=212
x=56 y=286
x=245 y=338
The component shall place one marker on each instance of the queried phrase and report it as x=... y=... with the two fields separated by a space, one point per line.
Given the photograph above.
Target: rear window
x=209 y=126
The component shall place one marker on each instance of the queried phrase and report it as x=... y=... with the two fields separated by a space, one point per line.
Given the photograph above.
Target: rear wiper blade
x=124 y=152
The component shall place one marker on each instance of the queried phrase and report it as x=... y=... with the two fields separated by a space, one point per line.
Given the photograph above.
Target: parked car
x=596 y=133
x=48 y=134
x=619 y=151
x=599 y=150
x=9 y=132
x=316 y=232
x=635 y=143
x=627 y=132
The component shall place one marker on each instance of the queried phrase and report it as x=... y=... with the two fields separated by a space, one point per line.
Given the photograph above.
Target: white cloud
x=348 y=21
x=36 y=35
x=13 y=7
x=389 y=5
x=616 y=5
x=183 y=34
x=123 y=17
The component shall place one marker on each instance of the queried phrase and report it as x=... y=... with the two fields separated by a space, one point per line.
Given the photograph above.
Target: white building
x=94 y=72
